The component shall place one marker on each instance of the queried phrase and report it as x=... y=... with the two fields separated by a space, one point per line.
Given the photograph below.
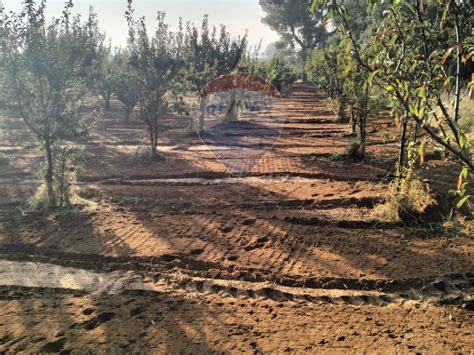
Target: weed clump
x=68 y=162
x=144 y=153
x=409 y=200
x=356 y=149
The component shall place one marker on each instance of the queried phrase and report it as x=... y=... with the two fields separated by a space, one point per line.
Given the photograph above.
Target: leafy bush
x=325 y=68
x=281 y=75
x=142 y=153
x=278 y=73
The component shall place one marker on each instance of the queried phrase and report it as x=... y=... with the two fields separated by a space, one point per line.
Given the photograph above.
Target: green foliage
x=156 y=60
x=336 y=156
x=281 y=75
x=417 y=52
x=332 y=69
x=101 y=75
x=45 y=66
x=296 y=24
x=125 y=82
x=325 y=68
x=413 y=63
x=277 y=71
x=208 y=53
x=142 y=153
x=464 y=199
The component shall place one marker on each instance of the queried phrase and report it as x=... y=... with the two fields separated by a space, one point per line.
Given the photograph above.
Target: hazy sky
x=237 y=15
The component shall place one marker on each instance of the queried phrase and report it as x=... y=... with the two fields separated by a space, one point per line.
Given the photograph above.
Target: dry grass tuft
x=467 y=118
x=409 y=197
x=460 y=226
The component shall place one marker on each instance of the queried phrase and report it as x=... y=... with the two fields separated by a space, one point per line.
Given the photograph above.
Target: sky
x=237 y=15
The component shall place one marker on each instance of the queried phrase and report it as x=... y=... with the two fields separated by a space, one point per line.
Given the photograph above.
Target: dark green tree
x=297 y=26
x=325 y=68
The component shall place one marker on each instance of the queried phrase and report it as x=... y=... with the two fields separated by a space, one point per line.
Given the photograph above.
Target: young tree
x=125 y=82
x=44 y=66
x=207 y=54
x=334 y=71
x=102 y=73
x=417 y=73
x=325 y=68
x=359 y=99
x=156 y=62
x=420 y=51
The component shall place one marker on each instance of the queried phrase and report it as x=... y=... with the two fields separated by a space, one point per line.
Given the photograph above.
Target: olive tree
x=44 y=65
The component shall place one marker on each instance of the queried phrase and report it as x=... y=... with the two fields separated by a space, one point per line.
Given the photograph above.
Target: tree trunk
x=202 y=109
x=62 y=184
x=231 y=114
x=353 y=121
x=415 y=132
x=152 y=143
x=401 y=155
x=362 y=132
x=153 y=127
x=128 y=112
x=458 y=69
x=107 y=96
x=49 y=174
x=154 y=152
x=341 y=110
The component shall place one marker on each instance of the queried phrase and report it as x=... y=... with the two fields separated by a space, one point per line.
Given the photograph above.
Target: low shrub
x=408 y=200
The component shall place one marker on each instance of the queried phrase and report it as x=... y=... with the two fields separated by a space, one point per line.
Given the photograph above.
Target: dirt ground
x=268 y=244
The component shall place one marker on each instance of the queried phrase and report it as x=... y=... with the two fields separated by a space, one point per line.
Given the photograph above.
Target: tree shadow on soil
x=61 y=321
x=50 y=320
x=224 y=230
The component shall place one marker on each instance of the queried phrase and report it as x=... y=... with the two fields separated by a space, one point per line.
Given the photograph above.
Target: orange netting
x=241 y=80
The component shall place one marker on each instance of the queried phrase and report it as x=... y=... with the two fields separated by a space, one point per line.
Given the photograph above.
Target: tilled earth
x=268 y=244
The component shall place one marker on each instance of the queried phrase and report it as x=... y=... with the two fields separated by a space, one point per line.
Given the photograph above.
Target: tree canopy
x=46 y=66
x=298 y=27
